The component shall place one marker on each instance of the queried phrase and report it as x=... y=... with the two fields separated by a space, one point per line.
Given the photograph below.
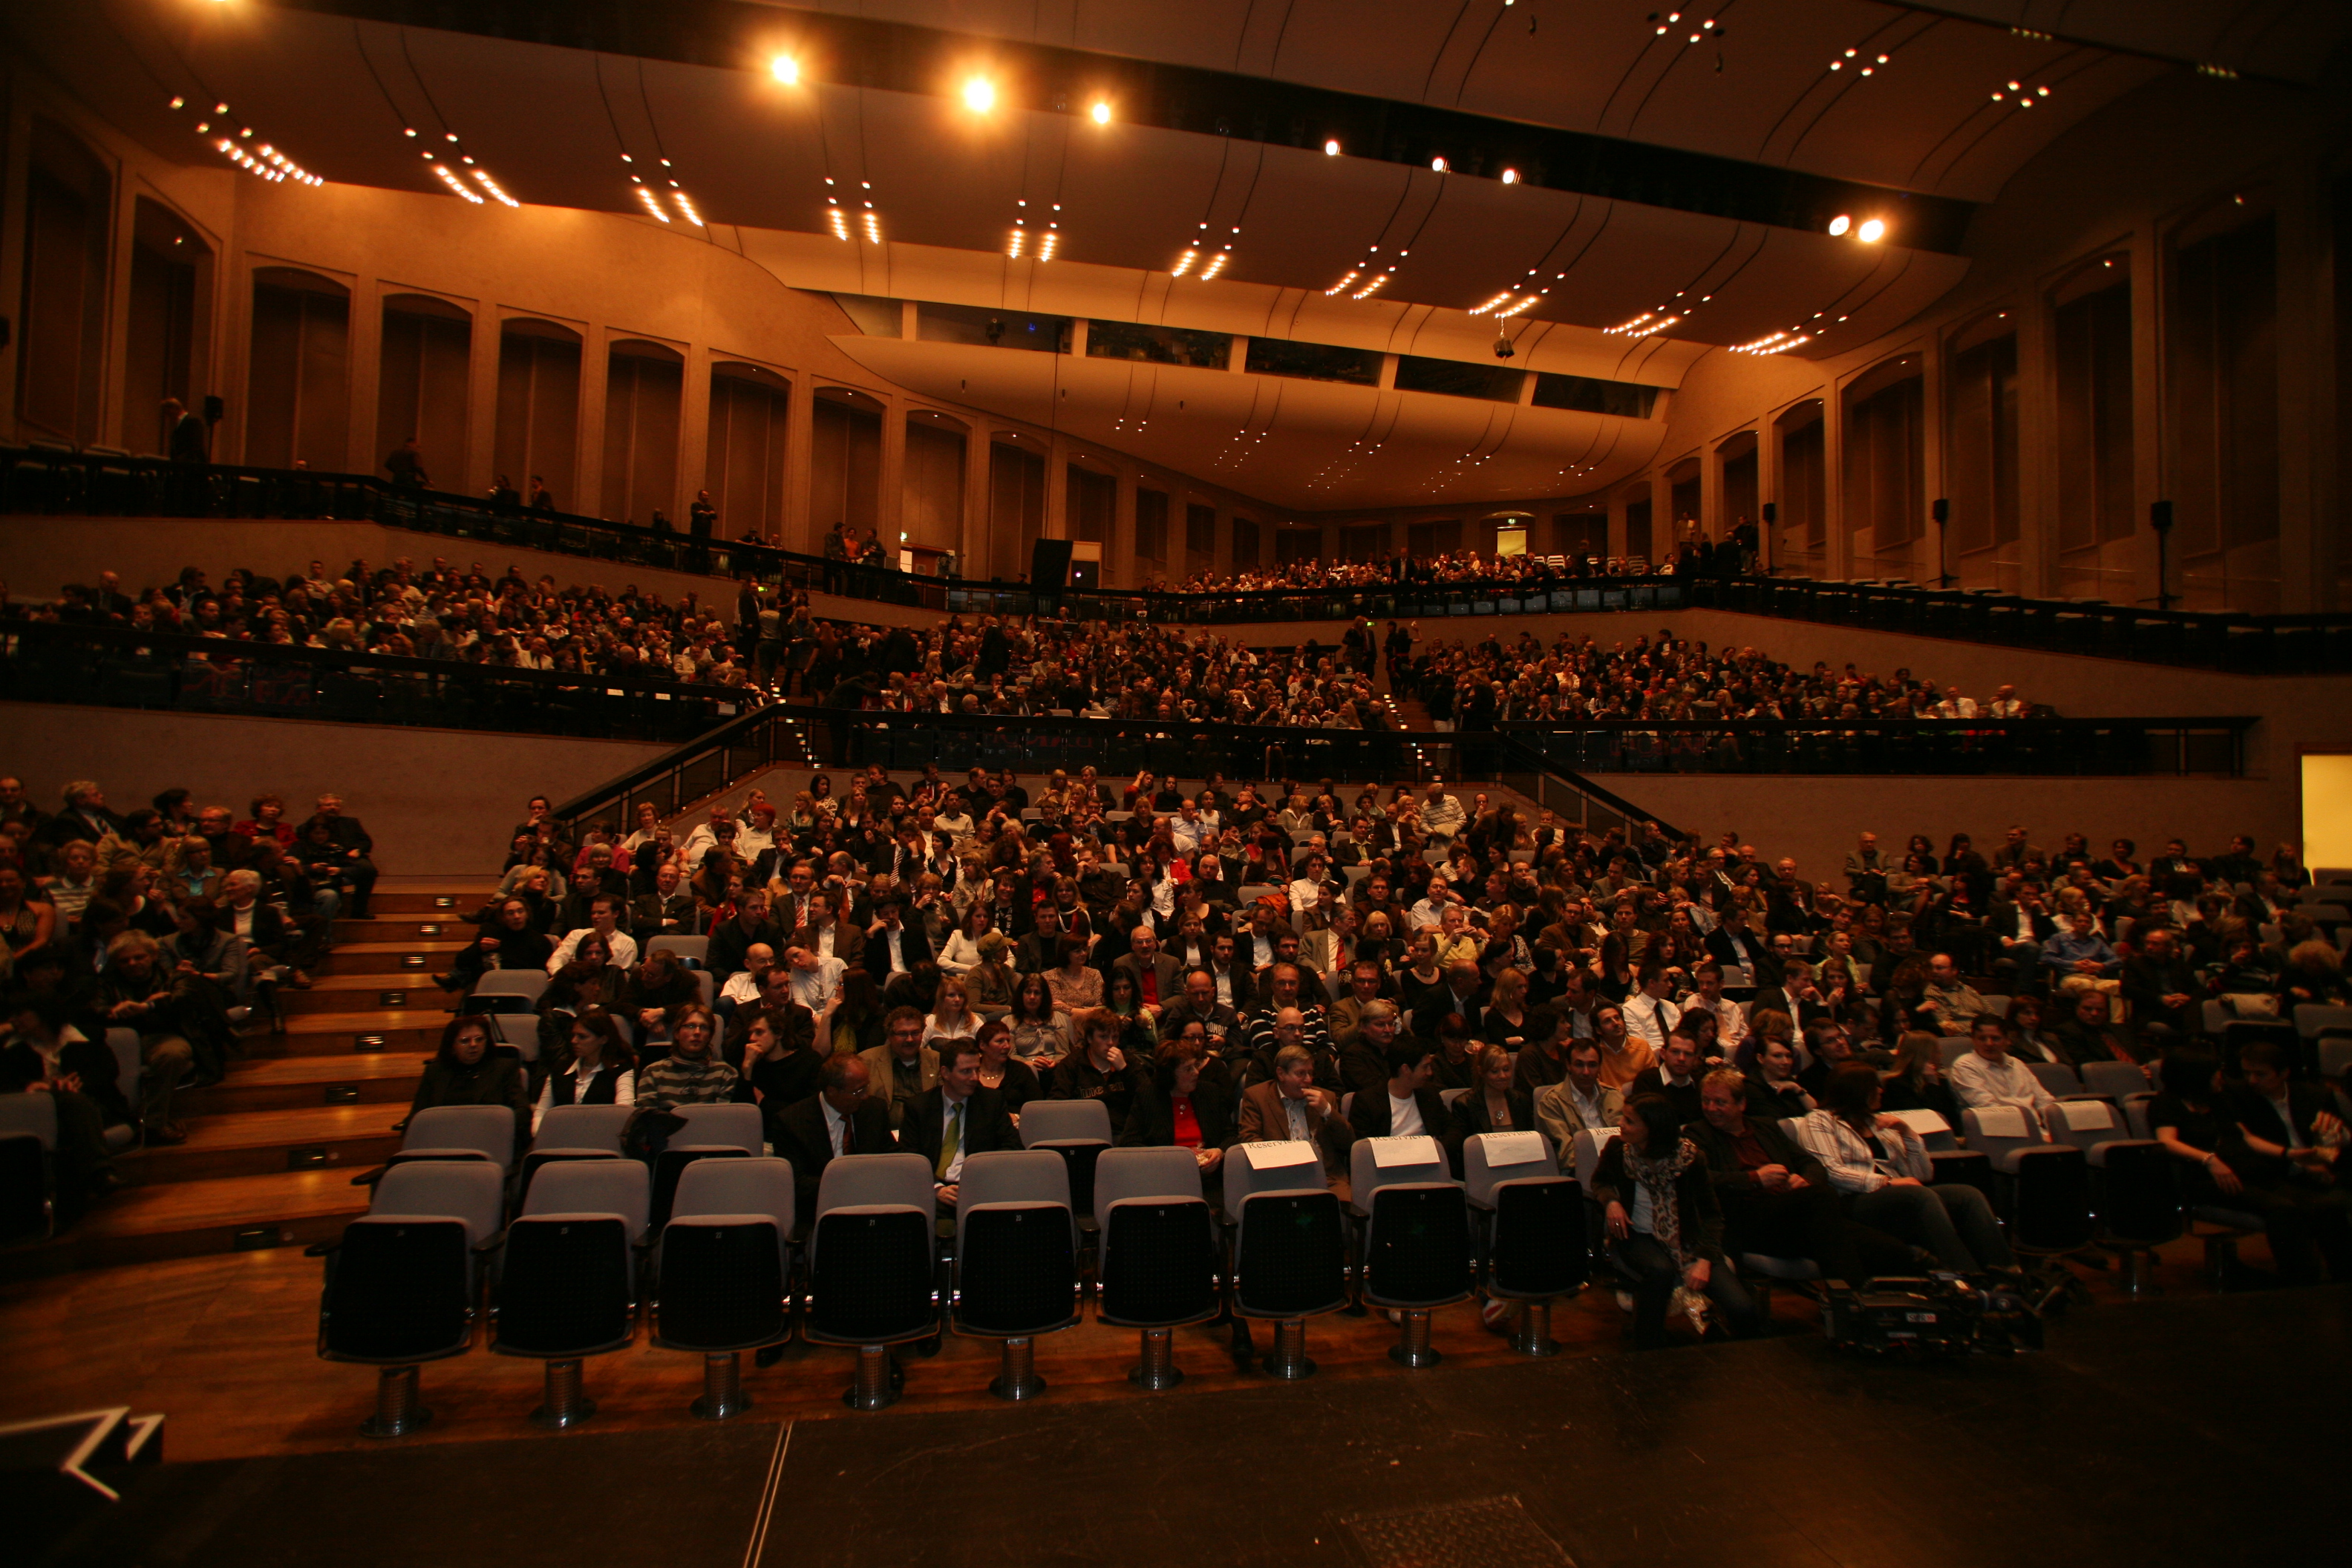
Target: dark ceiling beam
x=849 y=52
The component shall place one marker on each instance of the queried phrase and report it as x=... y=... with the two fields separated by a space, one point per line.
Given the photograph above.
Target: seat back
x=758 y=1184
x=1935 y=1132
x=1270 y=1167
x=621 y=1187
x=1539 y=1245
x=2087 y=1123
x=2137 y=1185
x=719 y=1126
x=1124 y=1174
x=2136 y=1109
x=1951 y=1049
x=595 y=1127
x=399 y=1288
x=726 y=1254
x=1490 y=1158
x=1377 y=1162
x=1159 y=1259
x=2311 y=1020
x=689 y=948
x=1290 y=1256
x=2113 y=1081
x=468 y=1191
x=30 y=1116
x=875 y=1180
x=2056 y=1077
x=456 y=1131
x=1417 y=1246
x=2334 y=1056
x=1586 y=1149
x=1998 y=1132
x=871 y=1251
x=567 y=1286
x=507 y=991
x=1016 y=1267
x=1065 y=1121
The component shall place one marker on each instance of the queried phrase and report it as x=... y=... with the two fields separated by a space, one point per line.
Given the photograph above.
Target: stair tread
x=397 y=980
x=373 y=1020
x=276 y=1072
x=422 y=944
x=266 y=1129
x=223 y=1201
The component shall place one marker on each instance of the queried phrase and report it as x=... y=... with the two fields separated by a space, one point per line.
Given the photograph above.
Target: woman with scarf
x=1664 y=1228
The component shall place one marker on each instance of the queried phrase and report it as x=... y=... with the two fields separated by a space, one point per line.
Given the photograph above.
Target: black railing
x=905 y=743
x=36 y=480
x=115 y=667
x=2116 y=748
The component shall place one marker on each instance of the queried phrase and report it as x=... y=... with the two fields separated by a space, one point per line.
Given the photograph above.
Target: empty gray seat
x=1158 y=1264
x=1536 y=1245
x=1017 y=1258
x=1290 y=1245
x=1416 y=1249
x=567 y=1288
x=460 y=1132
x=723 y=1271
x=872 y=1279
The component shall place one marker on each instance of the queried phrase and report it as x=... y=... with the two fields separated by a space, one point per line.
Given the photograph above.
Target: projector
x=1934 y=1315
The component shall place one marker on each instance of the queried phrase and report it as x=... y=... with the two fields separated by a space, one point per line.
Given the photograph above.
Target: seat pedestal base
x=397 y=1413
x=1018 y=1378
x=1533 y=1336
x=722 y=1387
x=566 y=1405
x=1288 y=1357
x=2139 y=1272
x=1158 y=1370
x=872 y=1391
x=1412 y=1347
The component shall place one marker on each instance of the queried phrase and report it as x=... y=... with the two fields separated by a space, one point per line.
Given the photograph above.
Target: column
x=2306 y=395
x=2151 y=478
x=1768 y=490
x=596 y=368
x=1931 y=564
x=482 y=404
x=890 y=504
x=1839 y=535
x=1120 y=553
x=363 y=361
x=800 y=459
x=973 y=540
x=693 y=434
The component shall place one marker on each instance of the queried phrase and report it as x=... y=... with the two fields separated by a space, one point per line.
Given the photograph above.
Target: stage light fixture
x=1184 y=262
x=980 y=95
x=1331 y=147
x=1101 y=113
x=1438 y=163
x=686 y=206
x=1510 y=176
x=1840 y=224
x=785 y=69
x=1871 y=231
x=503 y=199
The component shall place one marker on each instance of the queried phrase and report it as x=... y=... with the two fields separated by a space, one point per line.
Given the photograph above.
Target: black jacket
x=1702 y=1214
x=1369 y=1115
x=987 y=1125
x=798 y=1131
x=916 y=951
x=1723 y=1166
x=1470 y=1115
x=1151 y=1117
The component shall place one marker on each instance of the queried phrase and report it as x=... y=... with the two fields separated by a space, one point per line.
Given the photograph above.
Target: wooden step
x=350 y=1138
x=191 y=1219
x=447 y=902
x=412 y=988
x=420 y=957
x=296 y=1083
x=406 y=928
x=411 y=1031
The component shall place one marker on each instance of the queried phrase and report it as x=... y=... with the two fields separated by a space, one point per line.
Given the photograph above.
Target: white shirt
x=1731 y=1024
x=894 y=941
x=1980 y=1083
x=623 y=945
x=1651 y=1017
x=1296 y=1110
x=742 y=988
x=1404 y=1117
x=833 y=1123
x=816 y=989
x=1859 y=1165
x=625 y=1091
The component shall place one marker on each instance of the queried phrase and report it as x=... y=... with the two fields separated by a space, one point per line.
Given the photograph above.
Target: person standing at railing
x=406 y=466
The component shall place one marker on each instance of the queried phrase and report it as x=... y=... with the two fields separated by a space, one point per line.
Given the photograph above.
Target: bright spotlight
x=785 y=69
x=1840 y=224
x=1438 y=164
x=1871 y=231
x=1510 y=176
x=980 y=95
x=1101 y=113
x=1331 y=148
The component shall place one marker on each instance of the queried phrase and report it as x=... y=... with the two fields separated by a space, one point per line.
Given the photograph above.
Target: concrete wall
x=436 y=801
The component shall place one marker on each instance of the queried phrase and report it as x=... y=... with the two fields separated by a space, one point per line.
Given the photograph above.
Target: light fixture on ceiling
x=1216 y=264
x=980 y=95
x=1184 y=262
x=686 y=206
x=482 y=177
x=1372 y=288
x=1341 y=286
x=1330 y=147
x=785 y=69
x=1438 y=163
x=652 y=203
x=1840 y=224
x=1647 y=324
x=1100 y=111
x=1510 y=176
x=460 y=188
x=1496 y=303
x=1871 y=231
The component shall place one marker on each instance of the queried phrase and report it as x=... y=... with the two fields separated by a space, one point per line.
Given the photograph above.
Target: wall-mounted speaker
x=1772 y=511
x=1941 y=511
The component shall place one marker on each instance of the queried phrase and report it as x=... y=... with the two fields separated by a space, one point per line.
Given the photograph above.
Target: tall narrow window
x=1885 y=453
x=1980 y=476
x=1199 y=536
x=539 y=410
x=743 y=463
x=61 y=361
x=1016 y=509
x=644 y=388
x=171 y=287
x=931 y=489
x=2222 y=414
x=1151 y=531
x=846 y=480
x=1801 y=536
x=420 y=385
x=2091 y=329
x=298 y=383
x=1738 y=457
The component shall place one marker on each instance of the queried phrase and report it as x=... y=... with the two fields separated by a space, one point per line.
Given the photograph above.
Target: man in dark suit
x=668 y=911
x=2291 y=1170
x=955 y=1118
x=750 y=928
x=1733 y=943
x=1676 y=1076
x=357 y=852
x=893 y=946
x=1407 y=1104
x=84 y=816
x=1290 y=1106
x=843 y=1117
x=1776 y=1197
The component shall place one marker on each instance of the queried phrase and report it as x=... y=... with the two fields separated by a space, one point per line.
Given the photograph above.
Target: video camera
x=1934 y=1315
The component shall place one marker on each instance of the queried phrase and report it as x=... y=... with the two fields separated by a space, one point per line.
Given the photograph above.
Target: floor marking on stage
x=767 y=1510
x=1490 y=1532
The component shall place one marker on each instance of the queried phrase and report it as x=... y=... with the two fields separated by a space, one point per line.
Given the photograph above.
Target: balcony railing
x=43 y=481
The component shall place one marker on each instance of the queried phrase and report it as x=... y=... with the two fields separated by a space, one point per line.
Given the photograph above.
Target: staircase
x=273 y=1147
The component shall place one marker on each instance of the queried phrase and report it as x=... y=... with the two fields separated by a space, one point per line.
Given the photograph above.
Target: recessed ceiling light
x=785 y=69
x=1871 y=231
x=1101 y=113
x=1331 y=147
x=980 y=95
x=1840 y=224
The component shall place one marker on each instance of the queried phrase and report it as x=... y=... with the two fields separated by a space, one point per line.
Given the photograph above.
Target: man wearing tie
x=843 y=1117
x=955 y=1118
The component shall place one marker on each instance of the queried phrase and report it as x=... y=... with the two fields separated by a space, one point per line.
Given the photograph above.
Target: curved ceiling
x=1641 y=244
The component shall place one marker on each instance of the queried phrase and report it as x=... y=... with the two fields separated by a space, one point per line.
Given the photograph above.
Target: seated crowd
x=1729 y=557
x=174 y=921
x=774 y=647
x=1217 y=966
